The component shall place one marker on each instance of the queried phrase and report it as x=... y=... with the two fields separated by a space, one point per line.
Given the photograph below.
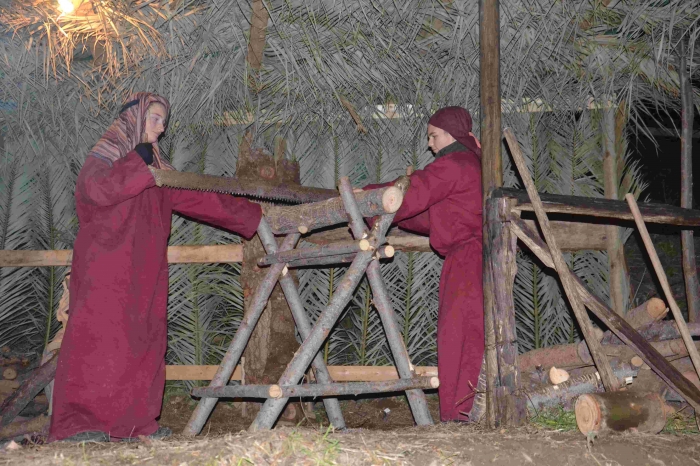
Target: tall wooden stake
x=690 y=274
x=609 y=380
x=491 y=168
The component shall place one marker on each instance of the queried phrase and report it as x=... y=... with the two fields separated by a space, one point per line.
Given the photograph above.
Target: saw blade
x=255 y=189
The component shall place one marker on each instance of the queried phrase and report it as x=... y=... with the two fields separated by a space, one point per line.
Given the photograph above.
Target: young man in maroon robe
x=111 y=370
x=444 y=201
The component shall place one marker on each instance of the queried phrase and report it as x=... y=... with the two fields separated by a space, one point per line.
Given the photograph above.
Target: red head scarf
x=127 y=130
x=458 y=123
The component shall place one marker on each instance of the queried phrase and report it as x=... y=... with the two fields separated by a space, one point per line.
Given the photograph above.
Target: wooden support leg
x=500 y=251
x=291 y=293
x=416 y=398
x=297 y=366
x=240 y=340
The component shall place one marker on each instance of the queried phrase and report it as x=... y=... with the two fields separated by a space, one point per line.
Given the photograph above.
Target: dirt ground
x=380 y=432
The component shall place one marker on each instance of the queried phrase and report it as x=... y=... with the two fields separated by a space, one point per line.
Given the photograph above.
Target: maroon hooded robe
x=444 y=201
x=111 y=369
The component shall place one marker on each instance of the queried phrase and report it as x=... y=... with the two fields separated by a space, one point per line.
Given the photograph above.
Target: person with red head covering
x=444 y=202
x=111 y=369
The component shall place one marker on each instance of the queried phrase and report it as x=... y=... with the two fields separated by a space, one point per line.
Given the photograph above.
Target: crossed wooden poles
x=364 y=253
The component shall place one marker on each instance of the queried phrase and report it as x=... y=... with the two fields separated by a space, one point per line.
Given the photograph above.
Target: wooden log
x=38 y=425
x=618 y=325
x=499 y=250
x=338 y=373
x=36 y=382
x=562 y=268
x=564 y=393
x=577 y=236
x=9 y=373
x=287 y=219
x=690 y=272
x=314 y=390
x=576 y=355
x=651 y=311
x=661 y=275
x=603 y=208
x=600 y=413
x=219 y=253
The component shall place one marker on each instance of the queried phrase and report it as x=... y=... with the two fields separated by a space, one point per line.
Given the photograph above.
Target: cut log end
x=392 y=199
x=434 y=382
x=389 y=251
x=9 y=374
x=557 y=376
x=588 y=414
x=275 y=391
x=303 y=229
x=656 y=309
x=364 y=245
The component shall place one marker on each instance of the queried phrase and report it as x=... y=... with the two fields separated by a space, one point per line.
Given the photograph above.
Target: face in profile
x=155 y=122
x=438 y=139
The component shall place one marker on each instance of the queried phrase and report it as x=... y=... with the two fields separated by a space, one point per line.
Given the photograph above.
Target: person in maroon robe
x=111 y=369
x=444 y=202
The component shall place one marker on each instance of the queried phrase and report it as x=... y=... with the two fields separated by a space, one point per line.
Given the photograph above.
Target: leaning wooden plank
x=661 y=275
x=338 y=373
x=218 y=253
x=605 y=208
x=601 y=361
x=618 y=325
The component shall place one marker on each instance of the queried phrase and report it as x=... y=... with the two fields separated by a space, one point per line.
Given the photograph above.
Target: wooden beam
x=219 y=253
x=604 y=208
x=338 y=373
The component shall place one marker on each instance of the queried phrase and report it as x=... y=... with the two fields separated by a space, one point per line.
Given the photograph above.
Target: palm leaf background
x=392 y=63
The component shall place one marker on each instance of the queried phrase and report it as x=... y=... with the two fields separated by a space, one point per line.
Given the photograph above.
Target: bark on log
x=288 y=219
x=603 y=208
x=602 y=413
x=16 y=402
x=563 y=394
x=499 y=251
x=660 y=331
x=38 y=425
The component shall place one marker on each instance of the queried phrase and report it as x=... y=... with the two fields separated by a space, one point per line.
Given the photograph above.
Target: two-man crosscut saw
x=256 y=189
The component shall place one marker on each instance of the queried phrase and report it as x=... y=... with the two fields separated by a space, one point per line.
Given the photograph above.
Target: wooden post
x=499 y=248
x=491 y=165
x=606 y=373
x=690 y=273
x=619 y=285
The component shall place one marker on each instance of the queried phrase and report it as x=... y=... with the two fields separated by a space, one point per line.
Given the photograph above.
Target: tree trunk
x=690 y=273
x=612 y=158
x=273 y=341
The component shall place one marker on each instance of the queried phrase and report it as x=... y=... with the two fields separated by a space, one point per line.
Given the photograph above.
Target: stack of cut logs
x=558 y=375
x=14 y=371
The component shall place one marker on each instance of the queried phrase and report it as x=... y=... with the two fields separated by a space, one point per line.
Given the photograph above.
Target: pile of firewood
x=558 y=375
x=21 y=412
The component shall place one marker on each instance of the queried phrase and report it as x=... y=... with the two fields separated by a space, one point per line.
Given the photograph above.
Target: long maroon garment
x=444 y=201
x=111 y=370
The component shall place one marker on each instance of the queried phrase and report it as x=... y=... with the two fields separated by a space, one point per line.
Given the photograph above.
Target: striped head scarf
x=127 y=130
